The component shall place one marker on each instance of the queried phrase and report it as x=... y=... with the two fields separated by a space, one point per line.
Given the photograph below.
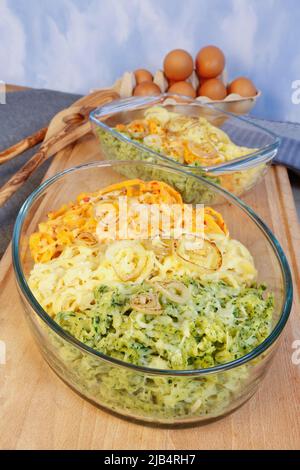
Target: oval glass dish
x=235 y=174
x=144 y=393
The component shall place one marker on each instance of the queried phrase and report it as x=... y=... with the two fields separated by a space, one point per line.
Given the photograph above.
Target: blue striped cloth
x=289 y=150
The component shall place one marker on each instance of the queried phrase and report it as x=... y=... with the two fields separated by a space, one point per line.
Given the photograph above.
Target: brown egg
x=146 y=89
x=210 y=62
x=178 y=65
x=242 y=86
x=213 y=89
x=142 y=75
x=182 y=88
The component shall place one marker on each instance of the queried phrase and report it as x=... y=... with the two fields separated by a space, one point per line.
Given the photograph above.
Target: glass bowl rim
x=262 y=155
x=37 y=308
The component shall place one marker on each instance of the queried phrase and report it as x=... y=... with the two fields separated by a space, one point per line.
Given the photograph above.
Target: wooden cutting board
x=38 y=411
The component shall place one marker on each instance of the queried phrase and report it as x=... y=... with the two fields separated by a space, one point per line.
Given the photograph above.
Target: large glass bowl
x=164 y=396
x=236 y=176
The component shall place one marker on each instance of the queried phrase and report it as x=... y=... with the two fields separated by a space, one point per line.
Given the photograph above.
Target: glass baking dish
x=237 y=175
x=136 y=391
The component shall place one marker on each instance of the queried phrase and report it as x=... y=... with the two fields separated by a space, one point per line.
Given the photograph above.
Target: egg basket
x=233 y=103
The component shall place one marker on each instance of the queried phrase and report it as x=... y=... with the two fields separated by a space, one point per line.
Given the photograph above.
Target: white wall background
x=74 y=45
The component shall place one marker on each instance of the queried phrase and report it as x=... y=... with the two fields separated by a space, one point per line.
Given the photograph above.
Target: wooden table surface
x=38 y=411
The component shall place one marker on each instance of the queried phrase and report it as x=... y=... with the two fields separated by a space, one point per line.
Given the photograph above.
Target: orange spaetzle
x=77 y=221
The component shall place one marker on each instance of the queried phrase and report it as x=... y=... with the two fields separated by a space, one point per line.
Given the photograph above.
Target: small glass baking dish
x=236 y=176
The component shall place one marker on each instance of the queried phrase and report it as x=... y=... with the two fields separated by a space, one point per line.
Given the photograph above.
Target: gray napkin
x=24 y=113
